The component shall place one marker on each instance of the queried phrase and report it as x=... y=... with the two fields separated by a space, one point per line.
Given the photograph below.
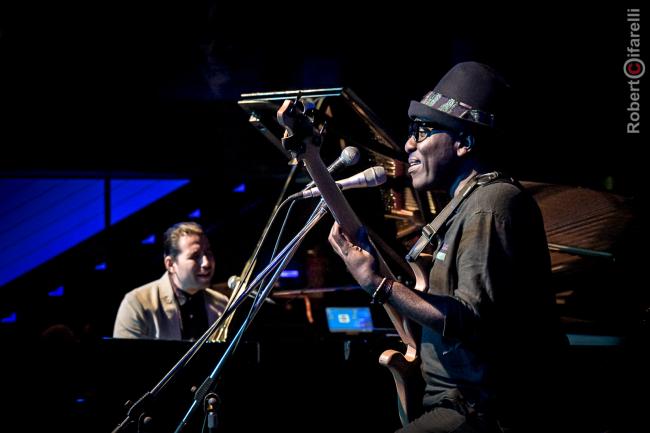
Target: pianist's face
x=192 y=269
x=432 y=157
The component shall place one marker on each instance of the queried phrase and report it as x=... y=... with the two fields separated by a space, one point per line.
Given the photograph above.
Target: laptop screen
x=349 y=319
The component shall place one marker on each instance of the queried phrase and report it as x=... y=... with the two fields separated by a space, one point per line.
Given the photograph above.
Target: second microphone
x=373 y=176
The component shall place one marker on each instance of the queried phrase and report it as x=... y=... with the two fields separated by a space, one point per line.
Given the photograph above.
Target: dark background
x=152 y=86
x=150 y=89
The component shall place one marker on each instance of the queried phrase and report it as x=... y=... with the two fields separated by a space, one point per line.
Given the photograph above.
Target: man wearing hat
x=490 y=337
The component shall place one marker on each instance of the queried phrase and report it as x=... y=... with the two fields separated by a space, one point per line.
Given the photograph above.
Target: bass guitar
x=302 y=140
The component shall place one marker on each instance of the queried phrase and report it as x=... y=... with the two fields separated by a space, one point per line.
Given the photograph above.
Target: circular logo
x=634 y=68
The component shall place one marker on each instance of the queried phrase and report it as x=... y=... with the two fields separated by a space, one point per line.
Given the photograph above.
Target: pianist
x=179 y=305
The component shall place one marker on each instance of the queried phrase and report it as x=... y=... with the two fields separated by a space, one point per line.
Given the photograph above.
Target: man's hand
x=359 y=259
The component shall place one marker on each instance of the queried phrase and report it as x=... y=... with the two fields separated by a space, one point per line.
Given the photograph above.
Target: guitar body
x=409 y=385
x=302 y=141
x=405 y=368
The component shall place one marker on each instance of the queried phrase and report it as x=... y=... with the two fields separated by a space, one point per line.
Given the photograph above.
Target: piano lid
x=583 y=226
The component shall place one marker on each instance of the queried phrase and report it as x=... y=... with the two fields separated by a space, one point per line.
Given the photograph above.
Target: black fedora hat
x=468 y=97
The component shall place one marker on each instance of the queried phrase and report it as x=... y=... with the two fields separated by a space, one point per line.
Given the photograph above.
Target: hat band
x=457 y=109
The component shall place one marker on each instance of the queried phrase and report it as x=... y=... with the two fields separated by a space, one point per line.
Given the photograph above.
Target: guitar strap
x=431 y=230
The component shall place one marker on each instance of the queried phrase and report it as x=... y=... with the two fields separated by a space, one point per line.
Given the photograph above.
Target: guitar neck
x=333 y=196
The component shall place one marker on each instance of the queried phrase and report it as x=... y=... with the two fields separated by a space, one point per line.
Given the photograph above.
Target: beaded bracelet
x=383 y=291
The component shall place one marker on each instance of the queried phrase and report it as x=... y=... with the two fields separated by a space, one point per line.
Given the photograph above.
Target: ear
x=169 y=262
x=464 y=144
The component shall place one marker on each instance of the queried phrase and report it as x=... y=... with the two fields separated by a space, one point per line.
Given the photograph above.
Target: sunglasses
x=420 y=131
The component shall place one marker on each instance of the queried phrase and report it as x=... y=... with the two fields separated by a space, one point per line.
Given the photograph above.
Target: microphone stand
x=278 y=263
x=137 y=411
x=222 y=332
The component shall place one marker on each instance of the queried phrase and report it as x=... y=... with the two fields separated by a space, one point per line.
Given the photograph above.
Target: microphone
x=372 y=176
x=349 y=156
x=234 y=280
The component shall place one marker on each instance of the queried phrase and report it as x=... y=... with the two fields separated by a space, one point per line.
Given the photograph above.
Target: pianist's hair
x=175 y=232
